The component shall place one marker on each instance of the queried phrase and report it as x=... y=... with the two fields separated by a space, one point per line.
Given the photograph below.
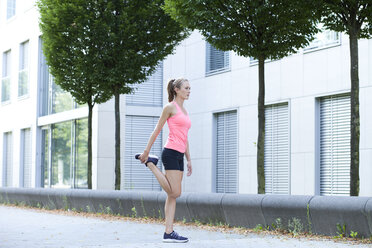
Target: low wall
x=318 y=214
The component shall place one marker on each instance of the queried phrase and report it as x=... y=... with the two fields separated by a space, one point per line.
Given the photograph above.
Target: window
x=59 y=99
x=26 y=156
x=324 y=38
x=277 y=149
x=5 y=81
x=137 y=131
x=334 y=145
x=45 y=154
x=65 y=155
x=81 y=154
x=10 y=8
x=226 y=150
x=43 y=81
x=54 y=99
x=217 y=60
x=8 y=160
x=150 y=92
x=61 y=155
x=23 y=69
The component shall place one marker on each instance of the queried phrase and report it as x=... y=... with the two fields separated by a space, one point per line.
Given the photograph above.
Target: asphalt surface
x=28 y=228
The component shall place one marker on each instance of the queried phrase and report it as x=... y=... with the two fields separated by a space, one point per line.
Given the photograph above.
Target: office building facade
x=43 y=132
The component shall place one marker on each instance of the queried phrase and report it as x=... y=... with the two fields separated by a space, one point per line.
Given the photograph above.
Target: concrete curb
x=319 y=214
x=243 y=210
x=206 y=207
x=368 y=212
x=327 y=212
x=287 y=208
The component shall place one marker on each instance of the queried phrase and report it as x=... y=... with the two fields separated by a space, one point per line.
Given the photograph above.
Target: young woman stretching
x=173 y=153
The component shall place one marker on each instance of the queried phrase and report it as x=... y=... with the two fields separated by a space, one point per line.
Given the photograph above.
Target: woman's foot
x=152 y=158
x=173 y=237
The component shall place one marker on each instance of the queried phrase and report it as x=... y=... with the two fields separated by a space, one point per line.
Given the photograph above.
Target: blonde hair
x=172 y=84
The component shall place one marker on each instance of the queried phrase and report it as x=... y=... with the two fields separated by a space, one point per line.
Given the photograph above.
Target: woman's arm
x=187 y=153
x=167 y=111
x=188 y=158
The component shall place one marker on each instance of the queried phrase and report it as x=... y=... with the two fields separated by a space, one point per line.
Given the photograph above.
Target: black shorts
x=172 y=159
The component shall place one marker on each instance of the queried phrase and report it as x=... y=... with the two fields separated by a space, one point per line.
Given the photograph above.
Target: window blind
x=277 y=153
x=227 y=152
x=335 y=145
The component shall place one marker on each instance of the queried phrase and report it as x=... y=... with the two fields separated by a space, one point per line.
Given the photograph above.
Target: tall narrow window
x=10 y=8
x=61 y=157
x=5 y=81
x=226 y=152
x=8 y=160
x=23 y=69
x=335 y=145
x=43 y=81
x=217 y=60
x=81 y=153
x=26 y=156
x=277 y=149
x=46 y=158
x=148 y=95
x=137 y=130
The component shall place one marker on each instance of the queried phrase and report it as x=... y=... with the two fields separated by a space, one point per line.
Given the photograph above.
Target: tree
x=72 y=38
x=124 y=42
x=353 y=17
x=261 y=29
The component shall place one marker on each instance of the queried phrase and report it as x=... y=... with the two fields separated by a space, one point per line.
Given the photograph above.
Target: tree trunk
x=261 y=127
x=117 y=138
x=355 y=118
x=90 y=114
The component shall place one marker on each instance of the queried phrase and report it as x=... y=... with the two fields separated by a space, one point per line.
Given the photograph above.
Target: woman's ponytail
x=171 y=91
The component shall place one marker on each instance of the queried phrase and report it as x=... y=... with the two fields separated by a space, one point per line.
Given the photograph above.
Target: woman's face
x=184 y=92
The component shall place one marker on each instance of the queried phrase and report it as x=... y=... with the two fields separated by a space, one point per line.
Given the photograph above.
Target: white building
x=43 y=132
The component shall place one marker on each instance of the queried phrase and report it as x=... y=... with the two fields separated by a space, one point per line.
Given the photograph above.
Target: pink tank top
x=178 y=125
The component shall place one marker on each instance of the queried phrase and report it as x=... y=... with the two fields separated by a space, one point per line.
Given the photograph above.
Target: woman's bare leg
x=174 y=178
x=171 y=183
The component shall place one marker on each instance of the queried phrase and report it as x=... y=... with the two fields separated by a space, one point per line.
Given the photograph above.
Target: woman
x=173 y=153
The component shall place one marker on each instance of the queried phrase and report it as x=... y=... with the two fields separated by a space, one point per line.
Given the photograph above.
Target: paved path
x=27 y=228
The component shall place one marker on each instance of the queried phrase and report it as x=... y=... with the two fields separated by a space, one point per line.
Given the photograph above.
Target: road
x=30 y=228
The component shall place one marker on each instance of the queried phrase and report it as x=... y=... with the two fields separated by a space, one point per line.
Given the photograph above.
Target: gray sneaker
x=152 y=158
x=173 y=237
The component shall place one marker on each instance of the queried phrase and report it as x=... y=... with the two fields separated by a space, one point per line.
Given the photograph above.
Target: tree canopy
x=99 y=43
x=72 y=39
x=349 y=16
x=256 y=28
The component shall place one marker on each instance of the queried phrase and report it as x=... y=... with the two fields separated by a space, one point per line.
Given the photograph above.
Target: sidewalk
x=27 y=228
